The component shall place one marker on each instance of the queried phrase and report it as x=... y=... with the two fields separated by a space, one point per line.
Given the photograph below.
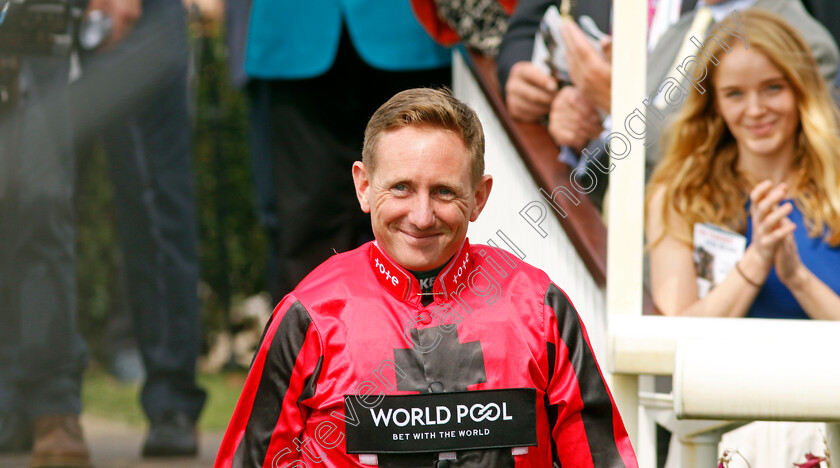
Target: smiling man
x=419 y=349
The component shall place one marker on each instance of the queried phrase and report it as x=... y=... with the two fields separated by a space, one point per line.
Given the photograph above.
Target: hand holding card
x=551 y=49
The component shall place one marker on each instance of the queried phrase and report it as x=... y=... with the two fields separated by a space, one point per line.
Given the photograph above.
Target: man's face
x=420 y=197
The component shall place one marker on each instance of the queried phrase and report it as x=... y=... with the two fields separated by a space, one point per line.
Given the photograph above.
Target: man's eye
x=446 y=193
x=401 y=187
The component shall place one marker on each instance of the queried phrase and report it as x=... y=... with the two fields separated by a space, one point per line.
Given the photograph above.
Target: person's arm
x=284 y=370
x=518 y=42
x=589 y=71
x=123 y=13
x=673 y=281
x=815 y=297
x=529 y=92
x=672 y=275
x=573 y=120
x=585 y=425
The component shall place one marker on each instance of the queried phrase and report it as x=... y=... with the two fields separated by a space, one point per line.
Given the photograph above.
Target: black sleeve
x=826 y=12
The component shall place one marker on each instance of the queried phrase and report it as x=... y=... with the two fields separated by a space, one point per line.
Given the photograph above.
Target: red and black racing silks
x=502 y=344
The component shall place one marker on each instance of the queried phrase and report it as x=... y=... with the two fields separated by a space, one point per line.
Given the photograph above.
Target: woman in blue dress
x=758 y=153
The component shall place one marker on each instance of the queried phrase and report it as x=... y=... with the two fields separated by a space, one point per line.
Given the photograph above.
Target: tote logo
x=385 y=271
x=461 y=269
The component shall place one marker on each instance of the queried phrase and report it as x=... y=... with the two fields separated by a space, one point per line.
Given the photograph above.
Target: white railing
x=513 y=189
x=727 y=372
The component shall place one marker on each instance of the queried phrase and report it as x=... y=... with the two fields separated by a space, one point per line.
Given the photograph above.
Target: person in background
x=327 y=65
x=477 y=24
x=664 y=58
x=573 y=110
x=236 y=18
x=827 y=12
x=573 y=114
x=529 y=92
x=145 y=127
x=42 y=354
x=758 y=155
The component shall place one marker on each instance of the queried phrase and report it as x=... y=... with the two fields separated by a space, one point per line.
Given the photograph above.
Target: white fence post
x=625 y=198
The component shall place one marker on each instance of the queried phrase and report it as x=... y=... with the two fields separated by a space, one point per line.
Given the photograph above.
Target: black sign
x=444 y=422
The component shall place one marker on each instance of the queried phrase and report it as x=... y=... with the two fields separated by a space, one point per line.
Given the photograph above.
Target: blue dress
x=775 y=300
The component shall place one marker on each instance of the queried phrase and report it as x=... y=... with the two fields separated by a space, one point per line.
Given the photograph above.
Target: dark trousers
x=317 y=133
x=42 y=355
x=262 y=164
x=148 y=144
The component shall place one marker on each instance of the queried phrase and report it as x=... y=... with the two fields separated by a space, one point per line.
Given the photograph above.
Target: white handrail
x=794 y=379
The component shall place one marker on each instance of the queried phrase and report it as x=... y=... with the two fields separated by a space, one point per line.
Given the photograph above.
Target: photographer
x=134 y=96
x=42 y=355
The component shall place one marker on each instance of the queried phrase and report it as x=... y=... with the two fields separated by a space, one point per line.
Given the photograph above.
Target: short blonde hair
x=432 y=107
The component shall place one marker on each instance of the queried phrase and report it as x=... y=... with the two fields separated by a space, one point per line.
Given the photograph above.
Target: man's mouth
x=421 y=236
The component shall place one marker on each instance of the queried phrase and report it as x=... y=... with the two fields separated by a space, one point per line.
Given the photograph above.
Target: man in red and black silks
x=420 y=349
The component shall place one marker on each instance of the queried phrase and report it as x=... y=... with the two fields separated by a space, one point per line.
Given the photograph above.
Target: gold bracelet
x=741 y=272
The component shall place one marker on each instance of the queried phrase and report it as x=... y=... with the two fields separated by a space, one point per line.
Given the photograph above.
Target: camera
x=39 y=27
x=43 y=28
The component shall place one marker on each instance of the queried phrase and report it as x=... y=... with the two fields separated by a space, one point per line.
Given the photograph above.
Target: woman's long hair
x=698 y=171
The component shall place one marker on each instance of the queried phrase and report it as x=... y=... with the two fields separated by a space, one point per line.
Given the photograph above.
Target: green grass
x=104 y=396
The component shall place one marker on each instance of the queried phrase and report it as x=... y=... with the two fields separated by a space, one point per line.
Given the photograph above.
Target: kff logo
x=384 y=271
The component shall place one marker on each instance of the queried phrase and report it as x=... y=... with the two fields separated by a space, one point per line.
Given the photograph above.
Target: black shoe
x=15 y=433
x=172 y=434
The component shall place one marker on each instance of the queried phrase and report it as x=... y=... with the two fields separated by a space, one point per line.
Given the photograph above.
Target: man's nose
x=422 y=214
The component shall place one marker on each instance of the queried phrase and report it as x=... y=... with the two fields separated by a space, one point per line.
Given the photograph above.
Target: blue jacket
x=296 y=39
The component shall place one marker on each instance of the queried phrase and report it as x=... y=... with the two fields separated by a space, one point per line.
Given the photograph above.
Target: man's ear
x=482 y=193
x=360 y=180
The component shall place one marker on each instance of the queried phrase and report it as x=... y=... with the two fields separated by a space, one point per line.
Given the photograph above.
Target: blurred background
x=234 y=306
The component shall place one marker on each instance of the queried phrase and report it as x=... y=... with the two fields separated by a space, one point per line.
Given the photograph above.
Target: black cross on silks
x=450 y=367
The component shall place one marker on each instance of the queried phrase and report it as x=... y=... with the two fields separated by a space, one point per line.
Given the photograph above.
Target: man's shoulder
x=508 y=265
x=335 y=273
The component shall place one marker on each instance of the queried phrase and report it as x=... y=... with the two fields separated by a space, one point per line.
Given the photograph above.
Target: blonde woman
x=759 y=154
